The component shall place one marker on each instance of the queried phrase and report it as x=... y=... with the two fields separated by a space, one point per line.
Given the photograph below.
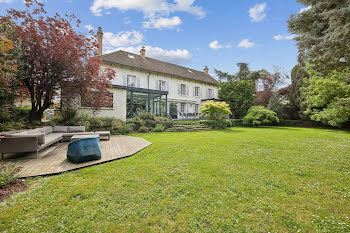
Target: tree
x=244 y=73
x=55 y=56
x=259 y=115
x=327 y=98
x=298 y=74
x=239 y=95
x=323 y=34
x=215 y=110
x=270 y=83
x=276 y=106
x=8 y=69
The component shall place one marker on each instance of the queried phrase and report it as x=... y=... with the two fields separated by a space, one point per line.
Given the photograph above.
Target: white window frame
x=161 y=85
x=197 y=91
x=183 y=89
x=182 y=107
x=131 y=81
x=210 y=93
x=196 y=108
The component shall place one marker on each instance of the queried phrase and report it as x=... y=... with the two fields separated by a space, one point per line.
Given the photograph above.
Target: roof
x=124 y=58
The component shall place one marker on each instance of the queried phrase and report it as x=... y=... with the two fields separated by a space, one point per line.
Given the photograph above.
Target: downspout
x=148 y=80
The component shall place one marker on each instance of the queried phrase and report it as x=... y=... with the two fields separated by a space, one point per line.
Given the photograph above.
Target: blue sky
x=190 y=33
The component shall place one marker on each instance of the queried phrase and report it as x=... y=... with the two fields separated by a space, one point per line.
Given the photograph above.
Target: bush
x=20 y=114
x=150 y=123
x=143 y=129
x=259 y=115
x=215 y=110
x=120 y=127
x=135 y=123
x=8 y=173
x=95 y=123
x=217 y=124
x=237 y=122
x=173 y=110
x=291 y=123
x=146 y=116
x=159 y=128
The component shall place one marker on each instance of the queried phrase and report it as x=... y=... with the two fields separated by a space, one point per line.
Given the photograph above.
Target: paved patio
x=53 y=160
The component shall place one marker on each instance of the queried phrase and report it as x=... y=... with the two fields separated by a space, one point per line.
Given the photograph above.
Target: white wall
x=118 y=110
x=148 y=80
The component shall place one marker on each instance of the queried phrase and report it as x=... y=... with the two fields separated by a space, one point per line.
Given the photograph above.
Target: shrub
x=20 y=114
x=143 y=129
x=120 y=127
x=159 y=128
x=259 y=115
x=150 y=123
x=215 y=110
x=237 y=122
x=291 y=123
x=146 y=116
x=8 y=173
x=173 y=110
x=95 y=123
x=135 y=123
x=217 y=124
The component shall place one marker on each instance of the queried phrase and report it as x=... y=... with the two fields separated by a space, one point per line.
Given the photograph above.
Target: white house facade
x=144 y=84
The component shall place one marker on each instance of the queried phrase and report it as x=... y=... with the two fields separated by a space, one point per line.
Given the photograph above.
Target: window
x=131 y=81
x=210 y=93
x=196 y=108
x=183 y=89
x=162 y=85
x=182 y=107
x=196 y=91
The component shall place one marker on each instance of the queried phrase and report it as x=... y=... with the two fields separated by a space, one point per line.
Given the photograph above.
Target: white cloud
x=305 y=9
x=89 y=27
x=280 y=37
x=6 y=1
x=216 y=45
x=111 y=40
x=246 y=44
x=160 y=23
x=177 y=56
x=257 y=13
x=148 y=7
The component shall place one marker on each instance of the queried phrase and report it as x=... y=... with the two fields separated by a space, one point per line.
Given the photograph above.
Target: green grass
x=235 y=180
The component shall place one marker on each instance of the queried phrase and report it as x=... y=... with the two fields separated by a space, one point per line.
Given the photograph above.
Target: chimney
x=143 y=52
x=99 y=41
x=206 y=70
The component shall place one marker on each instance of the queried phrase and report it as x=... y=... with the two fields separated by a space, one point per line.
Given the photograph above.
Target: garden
x=265 y=179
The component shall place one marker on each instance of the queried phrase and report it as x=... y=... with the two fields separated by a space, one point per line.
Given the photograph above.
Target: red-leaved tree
x=55 y=56
x=270 y=84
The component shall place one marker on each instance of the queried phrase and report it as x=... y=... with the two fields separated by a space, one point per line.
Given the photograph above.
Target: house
x=143 y=84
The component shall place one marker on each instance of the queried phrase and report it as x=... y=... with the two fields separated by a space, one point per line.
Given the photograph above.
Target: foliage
x=234 y=180
x=8 y=173
x=237 y=122
x=259 y=115
x=159 y=128
x=244 y=73
x=173 y=109
x=120 y=127
x=291 y=123
x=327 y=98
x=239 y=95
x=54 y=57
x=149 y=121
x=271 y=83
x=8 y=69
x=298 y=74
x=276 y=106
x=215 y=110
x=143 y=129
x=217 y=124
x=323 y=34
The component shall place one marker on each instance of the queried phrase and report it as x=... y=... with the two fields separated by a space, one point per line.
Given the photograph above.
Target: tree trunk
x=35 y=115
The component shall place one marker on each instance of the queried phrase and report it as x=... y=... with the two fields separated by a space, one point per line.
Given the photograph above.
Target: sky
x=191 y=33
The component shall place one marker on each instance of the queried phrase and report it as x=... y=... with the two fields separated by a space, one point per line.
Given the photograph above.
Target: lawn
x=234 y=180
